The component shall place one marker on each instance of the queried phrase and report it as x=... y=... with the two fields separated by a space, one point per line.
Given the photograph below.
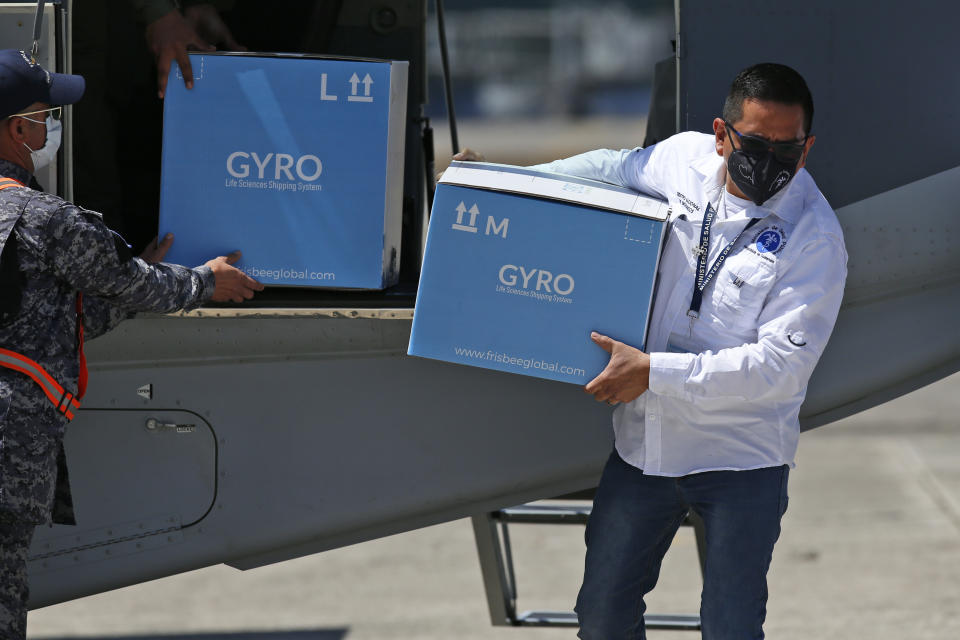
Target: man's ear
x=720 y=134
x=15 y=128
x=806 y=152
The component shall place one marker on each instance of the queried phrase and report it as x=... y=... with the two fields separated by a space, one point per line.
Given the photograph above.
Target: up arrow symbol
x=355 y=85
x=474 y=212
x=458 y=225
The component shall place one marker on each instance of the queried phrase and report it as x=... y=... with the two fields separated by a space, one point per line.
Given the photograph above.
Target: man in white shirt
x=749 y=286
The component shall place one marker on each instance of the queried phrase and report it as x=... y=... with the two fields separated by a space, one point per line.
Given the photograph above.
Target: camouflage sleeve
x=81 y=250
x=99 y=316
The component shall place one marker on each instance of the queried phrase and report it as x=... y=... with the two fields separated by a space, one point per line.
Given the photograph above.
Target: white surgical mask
x=48 y=152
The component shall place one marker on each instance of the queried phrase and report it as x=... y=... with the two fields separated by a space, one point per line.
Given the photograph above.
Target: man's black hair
x=771 y=82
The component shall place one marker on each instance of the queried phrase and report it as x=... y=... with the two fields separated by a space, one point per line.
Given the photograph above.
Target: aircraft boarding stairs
x=492 y=533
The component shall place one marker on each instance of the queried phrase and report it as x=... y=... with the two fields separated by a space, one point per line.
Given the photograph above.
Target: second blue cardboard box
x=520 y=266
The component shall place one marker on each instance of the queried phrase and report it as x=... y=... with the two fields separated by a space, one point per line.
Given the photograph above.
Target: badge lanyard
x=704 y=276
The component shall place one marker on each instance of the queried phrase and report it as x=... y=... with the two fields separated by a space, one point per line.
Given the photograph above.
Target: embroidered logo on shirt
x=770 y=240
x=687 y=203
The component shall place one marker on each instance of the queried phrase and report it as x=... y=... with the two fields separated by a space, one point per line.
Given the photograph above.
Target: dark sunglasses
x=784 y=151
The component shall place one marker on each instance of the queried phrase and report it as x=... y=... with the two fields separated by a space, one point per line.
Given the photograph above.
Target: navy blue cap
x=22 y=83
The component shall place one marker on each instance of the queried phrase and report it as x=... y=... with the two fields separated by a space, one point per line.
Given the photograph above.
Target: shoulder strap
x=65 y=402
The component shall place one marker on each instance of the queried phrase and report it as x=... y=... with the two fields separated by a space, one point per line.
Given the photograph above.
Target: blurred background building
x=536 y=79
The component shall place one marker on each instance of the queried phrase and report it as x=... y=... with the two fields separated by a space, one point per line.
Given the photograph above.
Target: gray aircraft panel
x=903 y=239
x=317 y=450
x=897 y=327
x=882 y=77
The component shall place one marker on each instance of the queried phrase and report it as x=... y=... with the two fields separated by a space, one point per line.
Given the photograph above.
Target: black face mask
x=762 y=168
x=759 y=175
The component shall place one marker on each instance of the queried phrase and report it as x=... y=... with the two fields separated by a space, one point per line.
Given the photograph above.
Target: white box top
x=556 y=186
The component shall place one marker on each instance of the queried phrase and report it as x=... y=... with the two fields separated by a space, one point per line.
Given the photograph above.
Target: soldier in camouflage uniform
x=63 y=276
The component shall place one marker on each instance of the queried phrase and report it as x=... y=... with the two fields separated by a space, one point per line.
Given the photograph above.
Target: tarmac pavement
x=870 y=549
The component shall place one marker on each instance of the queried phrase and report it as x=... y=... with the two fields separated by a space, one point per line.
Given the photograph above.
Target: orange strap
x=63 y=400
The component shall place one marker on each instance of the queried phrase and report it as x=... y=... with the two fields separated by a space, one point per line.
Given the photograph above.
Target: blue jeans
x=634 y=518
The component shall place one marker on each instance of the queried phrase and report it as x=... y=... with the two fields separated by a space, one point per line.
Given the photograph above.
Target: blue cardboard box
x=295 y=160
x=520 y=266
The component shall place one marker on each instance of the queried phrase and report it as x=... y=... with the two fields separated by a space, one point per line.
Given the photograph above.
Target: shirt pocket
x=742 y=288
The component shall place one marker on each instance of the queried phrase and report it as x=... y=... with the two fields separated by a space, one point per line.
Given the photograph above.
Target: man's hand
x=469 y=155
x=625 y=377
x=232 y=285
x=206 y=21
x=155 y=251
x=170 y=37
